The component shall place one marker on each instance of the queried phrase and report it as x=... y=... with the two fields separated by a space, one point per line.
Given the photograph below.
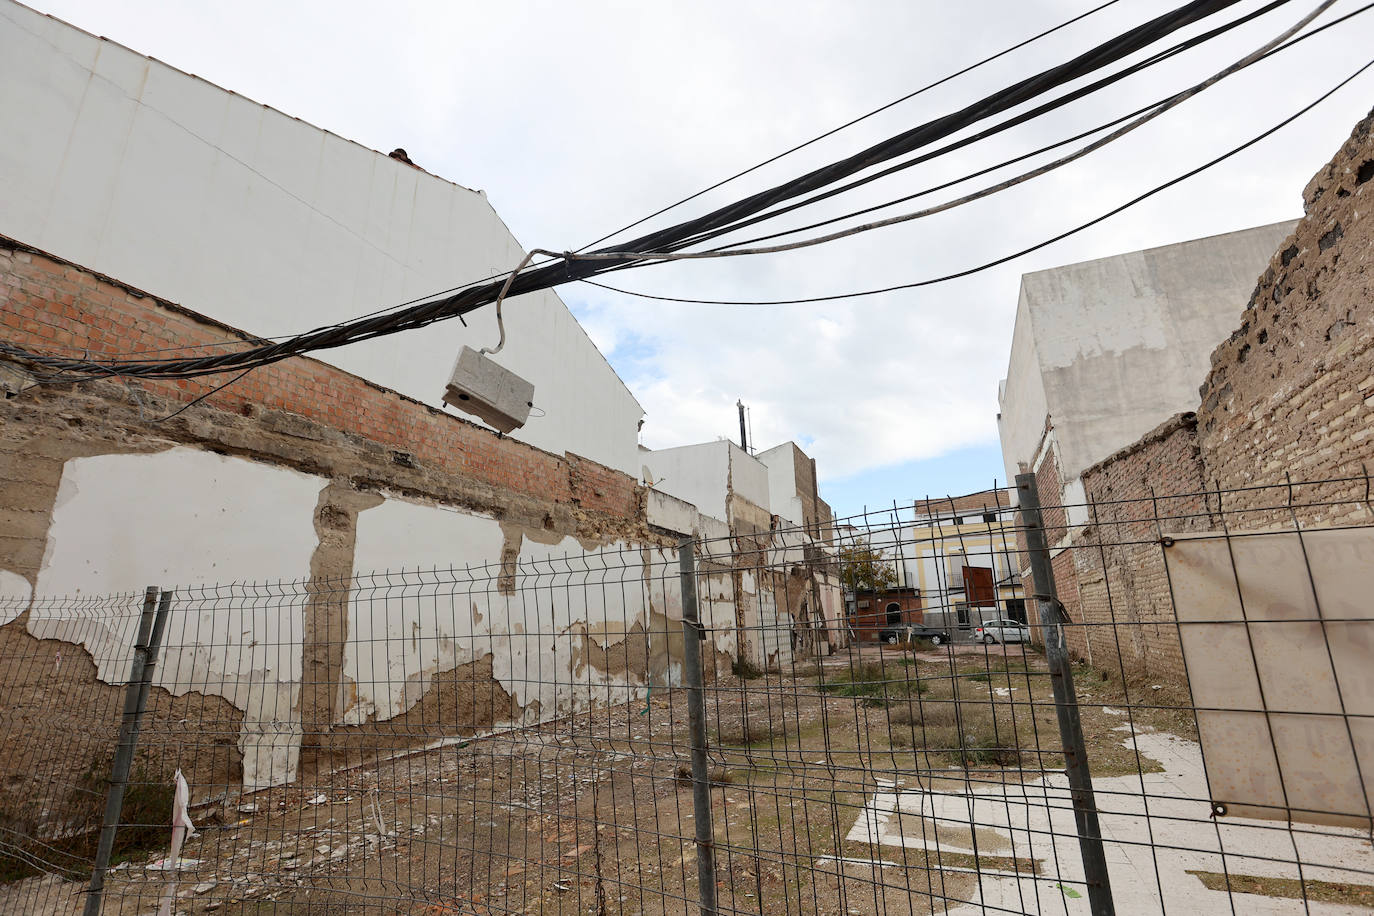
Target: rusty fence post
x=146 y=645
x=693 y=675
x=1065 y=701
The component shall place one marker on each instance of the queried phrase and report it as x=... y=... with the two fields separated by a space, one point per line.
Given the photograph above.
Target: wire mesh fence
x=978 y=705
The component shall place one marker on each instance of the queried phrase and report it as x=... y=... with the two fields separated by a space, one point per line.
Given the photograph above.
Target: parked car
x=1003 y=631
x=913 y=631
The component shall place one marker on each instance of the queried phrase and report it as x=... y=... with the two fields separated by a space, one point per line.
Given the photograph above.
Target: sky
x=578 y=119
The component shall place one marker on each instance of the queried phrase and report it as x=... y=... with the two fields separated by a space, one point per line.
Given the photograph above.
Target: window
x=958 y=519
x=989 y=516
x=894 y=614
x=954 y=564
x=1016 y=609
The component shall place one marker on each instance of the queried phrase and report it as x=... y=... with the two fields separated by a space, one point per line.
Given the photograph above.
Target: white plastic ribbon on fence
x=181 y=829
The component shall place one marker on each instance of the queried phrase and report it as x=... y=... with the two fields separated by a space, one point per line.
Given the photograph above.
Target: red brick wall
x=50 y=306
x=868 y=622
x=1151 y=489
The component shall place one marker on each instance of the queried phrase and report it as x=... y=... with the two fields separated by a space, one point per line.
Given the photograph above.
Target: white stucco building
x=1106 y=350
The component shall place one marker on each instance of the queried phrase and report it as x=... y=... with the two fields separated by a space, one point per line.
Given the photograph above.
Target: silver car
x=1003 y=631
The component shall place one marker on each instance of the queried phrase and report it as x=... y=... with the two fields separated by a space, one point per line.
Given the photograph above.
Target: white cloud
x=578 y=118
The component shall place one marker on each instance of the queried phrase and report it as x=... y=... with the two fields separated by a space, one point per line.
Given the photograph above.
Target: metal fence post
x=1065 y=701
x=693 y=635
x=146 y=645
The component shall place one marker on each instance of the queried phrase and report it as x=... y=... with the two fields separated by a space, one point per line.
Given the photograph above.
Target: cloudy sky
x=580 y=118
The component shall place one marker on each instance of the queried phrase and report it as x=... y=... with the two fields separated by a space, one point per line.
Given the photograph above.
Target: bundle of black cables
x=694 y=231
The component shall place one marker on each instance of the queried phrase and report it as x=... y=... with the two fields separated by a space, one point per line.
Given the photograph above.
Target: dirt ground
x=594 y=814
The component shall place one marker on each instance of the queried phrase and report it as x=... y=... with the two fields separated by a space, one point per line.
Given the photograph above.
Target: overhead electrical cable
x=1286 y=45
x=719 y=184
x=1016 y=121
x=1167 y=105
x=1085 y=64
x=566 y=270
x=1017 y=254
x=861 y=118
x=1270 y=52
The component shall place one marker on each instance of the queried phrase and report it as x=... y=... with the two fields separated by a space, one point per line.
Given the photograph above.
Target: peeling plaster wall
x=15 y=591
x=307 y=475
x=566 y=624
x=402 y=630
x=122 y=522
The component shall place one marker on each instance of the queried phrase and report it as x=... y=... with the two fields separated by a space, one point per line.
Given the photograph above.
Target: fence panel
x=518 y=737
x=64 y=663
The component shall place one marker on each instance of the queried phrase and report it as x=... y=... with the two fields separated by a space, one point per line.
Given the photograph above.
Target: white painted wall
x=784 y=501
x=698 y=474
x=404 y=628
x=670 y=513
x=185 y=518
x=1111 y=348
x=15 y=593
x=129 y=167
x=1021 y=402
x=749 y=477
x=176 y=518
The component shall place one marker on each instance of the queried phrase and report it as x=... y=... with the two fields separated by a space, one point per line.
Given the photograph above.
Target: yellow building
x=961 y=555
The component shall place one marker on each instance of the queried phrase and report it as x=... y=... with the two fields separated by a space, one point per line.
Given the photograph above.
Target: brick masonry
x=1118 y=561
x=1289 y=397
x=301 y=413
x=365 y=440
x=1292 y=390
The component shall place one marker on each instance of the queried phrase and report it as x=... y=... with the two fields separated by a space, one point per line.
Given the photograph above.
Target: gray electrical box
x=494 y=394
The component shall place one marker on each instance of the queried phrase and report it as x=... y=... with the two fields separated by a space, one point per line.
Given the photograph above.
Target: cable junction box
x=492 y=393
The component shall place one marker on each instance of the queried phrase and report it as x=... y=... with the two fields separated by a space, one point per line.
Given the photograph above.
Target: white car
x=1003 y=631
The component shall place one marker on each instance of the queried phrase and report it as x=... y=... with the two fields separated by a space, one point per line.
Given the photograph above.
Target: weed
x=876 y=684
x=744 y=732
x=745 y=670
x=144 y=821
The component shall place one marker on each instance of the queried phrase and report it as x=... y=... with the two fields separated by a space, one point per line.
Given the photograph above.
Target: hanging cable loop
x=501 y=297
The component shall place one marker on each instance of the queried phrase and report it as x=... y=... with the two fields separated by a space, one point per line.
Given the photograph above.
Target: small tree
x=862 y=568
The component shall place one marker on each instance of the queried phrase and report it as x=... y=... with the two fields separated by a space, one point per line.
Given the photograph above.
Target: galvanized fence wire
x=635 y=728
x=59 y=721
